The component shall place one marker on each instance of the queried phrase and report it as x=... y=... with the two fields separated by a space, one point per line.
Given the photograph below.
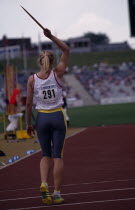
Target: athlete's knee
x=44 y=158
x=58 y=162
x=46 y=155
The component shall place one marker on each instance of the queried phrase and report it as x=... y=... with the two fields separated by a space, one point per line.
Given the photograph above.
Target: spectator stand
x=109 y=83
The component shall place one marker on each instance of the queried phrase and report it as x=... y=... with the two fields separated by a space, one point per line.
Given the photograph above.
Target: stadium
x=99 y=106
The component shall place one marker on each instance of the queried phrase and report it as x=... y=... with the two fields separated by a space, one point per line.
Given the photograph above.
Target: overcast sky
x=66 y=18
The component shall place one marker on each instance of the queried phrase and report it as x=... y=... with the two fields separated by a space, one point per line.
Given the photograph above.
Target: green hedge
x=79 y=59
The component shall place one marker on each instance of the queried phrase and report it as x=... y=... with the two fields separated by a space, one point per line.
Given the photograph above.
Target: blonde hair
x=46 y=60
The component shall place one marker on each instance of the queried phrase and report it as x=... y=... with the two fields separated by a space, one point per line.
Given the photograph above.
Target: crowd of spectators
x=107 y=81
x=100 y=80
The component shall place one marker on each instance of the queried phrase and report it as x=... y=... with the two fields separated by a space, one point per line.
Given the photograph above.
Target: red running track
x=99 y=173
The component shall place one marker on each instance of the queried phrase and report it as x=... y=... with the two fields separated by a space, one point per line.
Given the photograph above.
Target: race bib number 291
x=48 y=94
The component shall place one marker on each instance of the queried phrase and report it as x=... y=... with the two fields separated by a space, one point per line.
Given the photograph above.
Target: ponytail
x=46 y=60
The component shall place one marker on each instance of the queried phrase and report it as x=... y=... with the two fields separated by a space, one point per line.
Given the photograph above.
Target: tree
x=99 y=38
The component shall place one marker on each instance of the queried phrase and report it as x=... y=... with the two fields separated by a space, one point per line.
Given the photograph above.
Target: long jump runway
x=99 y=173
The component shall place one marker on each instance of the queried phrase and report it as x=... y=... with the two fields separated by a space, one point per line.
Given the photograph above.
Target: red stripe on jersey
x=56 y=80
x=45 y=78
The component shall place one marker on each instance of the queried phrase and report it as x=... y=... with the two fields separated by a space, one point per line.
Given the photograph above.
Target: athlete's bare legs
x=45 y=165
x=58 y=173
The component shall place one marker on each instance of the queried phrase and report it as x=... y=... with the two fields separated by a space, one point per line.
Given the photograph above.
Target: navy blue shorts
x=51 y=130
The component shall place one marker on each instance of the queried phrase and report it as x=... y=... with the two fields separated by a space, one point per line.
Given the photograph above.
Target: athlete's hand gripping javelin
x=47 y=33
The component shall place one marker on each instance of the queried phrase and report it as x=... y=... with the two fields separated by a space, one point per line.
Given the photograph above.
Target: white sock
x=45 y=183
x=56 y=193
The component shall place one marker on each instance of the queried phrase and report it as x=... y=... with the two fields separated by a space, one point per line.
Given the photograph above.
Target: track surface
x=99 y=173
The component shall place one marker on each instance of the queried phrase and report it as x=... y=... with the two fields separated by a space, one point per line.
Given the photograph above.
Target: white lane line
x=76 y=193
x=74 y=134
x=69 y=185
x=73 y=204
x=20 y=159
x=83 y=129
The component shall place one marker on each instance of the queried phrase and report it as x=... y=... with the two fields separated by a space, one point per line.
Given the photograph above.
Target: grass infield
x=98 y=115
x=102 y=115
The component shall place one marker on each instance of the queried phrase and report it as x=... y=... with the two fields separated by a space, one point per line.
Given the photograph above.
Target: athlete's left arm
x=29 y=102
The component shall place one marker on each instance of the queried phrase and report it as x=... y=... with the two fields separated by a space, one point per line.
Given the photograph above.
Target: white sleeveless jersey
x=48 y=92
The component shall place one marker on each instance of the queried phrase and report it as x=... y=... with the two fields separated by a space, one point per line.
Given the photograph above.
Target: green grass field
x=98 y=115
x=102 y=115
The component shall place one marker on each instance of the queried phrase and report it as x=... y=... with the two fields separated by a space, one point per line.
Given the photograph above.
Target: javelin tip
x=32 y=17
x=22 y=7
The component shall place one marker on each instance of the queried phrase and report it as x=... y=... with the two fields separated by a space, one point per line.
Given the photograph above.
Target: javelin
x=33 y=18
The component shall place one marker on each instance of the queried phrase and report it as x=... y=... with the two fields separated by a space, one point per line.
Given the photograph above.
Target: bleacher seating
x=104 y=81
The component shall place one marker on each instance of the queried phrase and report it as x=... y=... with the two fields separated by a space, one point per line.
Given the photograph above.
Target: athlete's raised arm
x=60 y=69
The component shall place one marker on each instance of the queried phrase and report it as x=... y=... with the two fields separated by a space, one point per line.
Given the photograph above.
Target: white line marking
x=68 y=185
x=83 y=129
x=74 y=134
x=3 y=164
x=73 y=204
x=20 y=159
x=76 y=193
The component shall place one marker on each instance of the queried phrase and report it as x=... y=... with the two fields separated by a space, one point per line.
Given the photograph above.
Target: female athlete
x=46 y=86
